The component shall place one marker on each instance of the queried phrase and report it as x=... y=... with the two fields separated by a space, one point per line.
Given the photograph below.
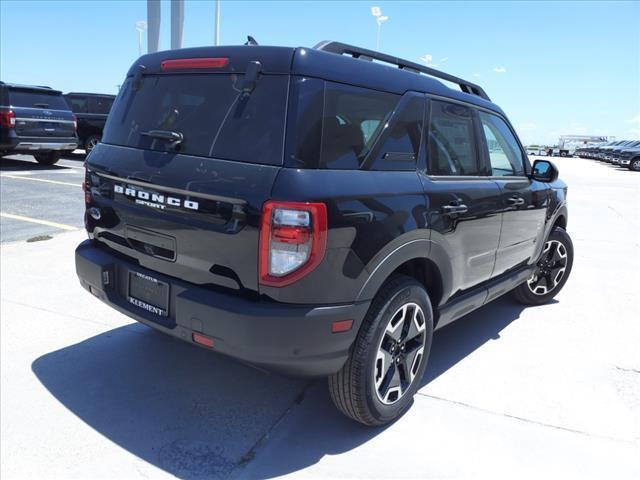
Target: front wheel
x=635 y=165
x=47 y=158
x=387 y=361
x=552 y=270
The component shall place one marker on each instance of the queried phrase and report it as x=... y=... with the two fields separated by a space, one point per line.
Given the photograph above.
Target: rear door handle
x=455 y=209
x=516 y=201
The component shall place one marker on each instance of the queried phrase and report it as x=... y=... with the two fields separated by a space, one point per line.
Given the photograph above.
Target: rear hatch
x=41 y=113
x=188 y=156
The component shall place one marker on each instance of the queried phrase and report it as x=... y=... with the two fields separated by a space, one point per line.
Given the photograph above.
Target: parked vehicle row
x=625 y=153
x=45 y=123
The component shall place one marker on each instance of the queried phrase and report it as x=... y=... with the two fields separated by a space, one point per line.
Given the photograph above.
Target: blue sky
x=554 y=67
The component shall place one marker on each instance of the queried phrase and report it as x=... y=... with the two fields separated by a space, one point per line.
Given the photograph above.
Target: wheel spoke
x=383 y=363
x=396 y=325
x=415 y=324
x=412 y=361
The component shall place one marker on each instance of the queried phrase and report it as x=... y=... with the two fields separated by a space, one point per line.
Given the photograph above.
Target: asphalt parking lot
x=544 y=392
x=38 y=200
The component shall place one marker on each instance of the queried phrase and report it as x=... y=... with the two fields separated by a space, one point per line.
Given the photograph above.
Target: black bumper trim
x=284 y=338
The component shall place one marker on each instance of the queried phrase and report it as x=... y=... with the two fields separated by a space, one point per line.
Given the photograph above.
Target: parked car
x=614 y=154
x=310 y=212
x=630 y=158
x=35 y=120
x=91 y=110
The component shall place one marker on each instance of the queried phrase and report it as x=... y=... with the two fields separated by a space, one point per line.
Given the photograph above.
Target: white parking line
x=17 y=177
x=38 y=221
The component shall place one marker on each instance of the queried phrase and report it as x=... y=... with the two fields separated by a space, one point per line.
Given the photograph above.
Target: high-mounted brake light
x=8 y=119
x=293 y=240
x=191 y=63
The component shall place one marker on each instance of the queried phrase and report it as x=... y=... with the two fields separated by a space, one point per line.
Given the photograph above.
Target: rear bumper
x=284 y=338
x=29 y=144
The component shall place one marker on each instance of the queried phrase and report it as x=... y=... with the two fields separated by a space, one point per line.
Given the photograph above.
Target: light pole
x=380 y=19
x=216 y=34
x=141 y=27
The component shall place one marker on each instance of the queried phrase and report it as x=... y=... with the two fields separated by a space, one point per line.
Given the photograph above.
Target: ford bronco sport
x=35 y=120
x=314 y=212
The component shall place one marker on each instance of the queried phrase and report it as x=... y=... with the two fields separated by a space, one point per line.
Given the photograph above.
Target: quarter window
x=452 y=149
x=353 y=119
x=504 y=152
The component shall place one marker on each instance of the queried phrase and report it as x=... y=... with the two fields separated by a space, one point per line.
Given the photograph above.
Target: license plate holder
x=149 y=293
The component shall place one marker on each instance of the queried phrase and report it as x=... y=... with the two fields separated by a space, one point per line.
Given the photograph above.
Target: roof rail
x=365 y=54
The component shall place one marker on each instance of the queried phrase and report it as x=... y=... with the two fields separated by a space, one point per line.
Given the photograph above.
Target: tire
x=634 y=164
x=47 y=158
x=91 y=142
x=554 y=268
x=364 y=389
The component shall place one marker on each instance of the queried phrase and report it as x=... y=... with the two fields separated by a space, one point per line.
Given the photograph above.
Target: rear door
x=41 y=114
x=462 y=202
x=190 y=208
x=523 y=201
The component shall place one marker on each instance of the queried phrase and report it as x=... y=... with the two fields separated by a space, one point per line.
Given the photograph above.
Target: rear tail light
x=293 y=240
x=8 y=119
x=191 y=63
x=86 y=186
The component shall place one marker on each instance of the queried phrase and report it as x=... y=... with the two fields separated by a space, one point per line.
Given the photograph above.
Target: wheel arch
x=414 y=260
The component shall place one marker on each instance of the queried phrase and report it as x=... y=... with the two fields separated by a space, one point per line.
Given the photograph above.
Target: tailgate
x=40 y=113
x=189 y=217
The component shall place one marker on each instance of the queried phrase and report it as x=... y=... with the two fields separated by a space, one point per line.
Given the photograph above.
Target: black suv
x=37 y=121
x=315 y=213
x=91 y=110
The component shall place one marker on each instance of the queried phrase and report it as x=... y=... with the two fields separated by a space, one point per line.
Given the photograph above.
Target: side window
x=504 y=152
x=77 y=104
x=452 y=148
x=100 y=105
x=353 y=119
x=400 y=143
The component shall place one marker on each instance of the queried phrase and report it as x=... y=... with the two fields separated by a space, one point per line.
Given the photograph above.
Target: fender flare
x=394 y=256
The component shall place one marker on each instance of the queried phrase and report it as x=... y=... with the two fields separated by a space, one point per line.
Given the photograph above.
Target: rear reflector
x=190 y=63
x=202 y=340
x=341 y=326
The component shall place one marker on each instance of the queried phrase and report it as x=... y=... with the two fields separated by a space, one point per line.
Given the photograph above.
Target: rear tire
x=389 y=356
x=553 y=270
x=91 y=142
x=634 y=164
x=47 y=158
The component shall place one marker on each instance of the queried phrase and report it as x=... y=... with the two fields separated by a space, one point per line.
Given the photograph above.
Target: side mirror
x=544 y=171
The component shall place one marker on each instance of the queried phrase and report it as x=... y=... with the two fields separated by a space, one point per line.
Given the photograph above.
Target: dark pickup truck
x=316 y=213
x=91 y=110
x=35 y=120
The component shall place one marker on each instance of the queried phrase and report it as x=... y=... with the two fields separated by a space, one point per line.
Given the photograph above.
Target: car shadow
x=28 y=163
x=197 y=414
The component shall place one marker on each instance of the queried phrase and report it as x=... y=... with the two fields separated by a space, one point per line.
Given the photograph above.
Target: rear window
x=36 y=99
x=210 y=111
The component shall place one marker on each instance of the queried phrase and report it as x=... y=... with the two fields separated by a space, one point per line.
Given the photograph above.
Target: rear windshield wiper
x=167 y=135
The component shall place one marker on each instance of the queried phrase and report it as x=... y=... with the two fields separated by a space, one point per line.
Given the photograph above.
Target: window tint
x=210 y=111
x=100 y=105
x=400 y=143
x=353 y=119
x=37 y=99
x=78 y=104
x=504 y=152
x=452 y=149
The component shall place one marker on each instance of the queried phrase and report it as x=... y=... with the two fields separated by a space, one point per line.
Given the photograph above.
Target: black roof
x=92 y=94
x=398 y=77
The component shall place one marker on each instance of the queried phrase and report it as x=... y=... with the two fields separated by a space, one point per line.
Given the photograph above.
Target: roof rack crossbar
x=366 y=54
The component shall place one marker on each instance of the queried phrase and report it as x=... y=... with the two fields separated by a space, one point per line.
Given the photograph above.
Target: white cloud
x=635 y=119
x=428 y=58
x=442 y=60
x=477 y=75
x=499 y=69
